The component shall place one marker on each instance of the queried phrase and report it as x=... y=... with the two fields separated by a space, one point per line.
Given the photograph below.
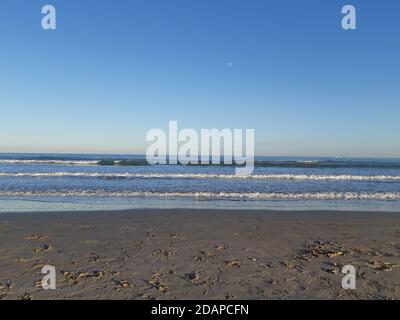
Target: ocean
x=64 y=182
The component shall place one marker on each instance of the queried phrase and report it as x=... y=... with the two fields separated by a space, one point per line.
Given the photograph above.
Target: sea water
x=42 y=182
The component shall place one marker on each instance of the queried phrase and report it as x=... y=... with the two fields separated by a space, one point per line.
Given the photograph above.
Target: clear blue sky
x=114 y=69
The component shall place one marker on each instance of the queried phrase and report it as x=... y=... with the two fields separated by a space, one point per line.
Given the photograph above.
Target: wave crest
x=129 y=175
x=384 y=196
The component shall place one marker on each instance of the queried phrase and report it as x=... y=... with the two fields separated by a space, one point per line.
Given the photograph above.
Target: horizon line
x=143 y=154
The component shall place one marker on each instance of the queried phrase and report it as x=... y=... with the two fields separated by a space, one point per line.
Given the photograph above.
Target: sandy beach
x=199 y=254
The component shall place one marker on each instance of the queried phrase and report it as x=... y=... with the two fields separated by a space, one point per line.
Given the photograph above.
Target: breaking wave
x=128 y=175
x=336 y=163
x=384 y=196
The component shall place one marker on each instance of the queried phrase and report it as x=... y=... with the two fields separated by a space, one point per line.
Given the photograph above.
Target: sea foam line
x=128 y=175
x=257 y=163
x=383 y=196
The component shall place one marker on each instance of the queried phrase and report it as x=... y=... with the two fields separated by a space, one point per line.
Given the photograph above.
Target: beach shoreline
x=200 y=254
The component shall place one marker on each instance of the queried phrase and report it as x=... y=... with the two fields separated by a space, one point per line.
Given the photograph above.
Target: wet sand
x=200 y=254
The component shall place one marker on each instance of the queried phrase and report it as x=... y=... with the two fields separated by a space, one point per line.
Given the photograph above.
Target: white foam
x=384 y=196
x=127 y=175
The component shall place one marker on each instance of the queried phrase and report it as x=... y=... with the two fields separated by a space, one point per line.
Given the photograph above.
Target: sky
x=112 y=70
